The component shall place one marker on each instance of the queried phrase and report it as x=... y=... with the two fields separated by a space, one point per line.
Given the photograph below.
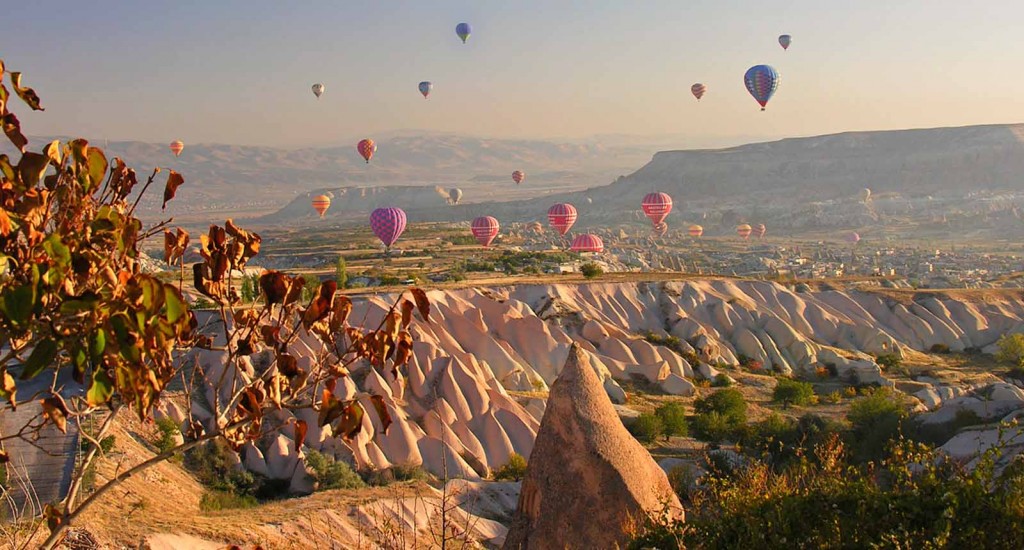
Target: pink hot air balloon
x=177 y=147
x=485 y=228
x=366 y=149
x=657 y=206
x=561 y=217
x=760 y=230
x=852 y=237
x=518 y=176
x=388 y=224
x=587 y=243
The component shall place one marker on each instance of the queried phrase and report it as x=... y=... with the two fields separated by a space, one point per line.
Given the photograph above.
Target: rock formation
x=588 y=481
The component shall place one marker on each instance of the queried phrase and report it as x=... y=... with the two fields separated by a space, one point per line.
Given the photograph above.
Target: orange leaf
x=407 y=308
x=300 y=434
x=422 y=303
x=174 y=181
x=28 y=95
x=382 y=411
x=12 y=127
x=57 y=412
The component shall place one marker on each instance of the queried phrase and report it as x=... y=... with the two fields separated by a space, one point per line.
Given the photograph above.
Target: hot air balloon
x=657 y=206
x=455 y=195
x=536 y=227
x=762 y=81
x=743 y=230
x=321 y=203
x=177 y=147
x=318 y=89
x=485 y=228
x=760 y=230
x=590 y=200
x=388 y=224
x=518 y=176
x=785 y=40
x=587 y=243
x=698 y=90
x=695 y=230
x=425 y=88
x=367 y=148
x=660 y=229
x=463 y=30
x=561 y=217
x=852 y=237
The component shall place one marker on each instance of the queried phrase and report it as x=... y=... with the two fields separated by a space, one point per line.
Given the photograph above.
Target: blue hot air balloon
x=463 y=30
x=761 y=81
x=425 y=88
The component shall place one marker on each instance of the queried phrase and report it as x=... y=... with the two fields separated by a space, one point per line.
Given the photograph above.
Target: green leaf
x=101 y=389
x=97 y=345
x=42 y=356
x=79 y=304
x=176 y=307
x=60 y=255
x=97 y=164
x=17 y=304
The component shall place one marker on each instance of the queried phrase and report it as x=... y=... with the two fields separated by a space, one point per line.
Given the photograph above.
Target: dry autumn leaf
x=174 y=181
x=422 y=303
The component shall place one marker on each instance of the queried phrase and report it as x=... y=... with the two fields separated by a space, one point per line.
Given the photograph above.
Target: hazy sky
x=240 y=71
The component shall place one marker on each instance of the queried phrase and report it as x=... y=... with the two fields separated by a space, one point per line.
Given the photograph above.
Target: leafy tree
x=646 y=428
x=793 y=392
x=673 y=419
x=513 y=470
x=728 y=402
x=1011 y=349
x=591 y=270
x=875 y=421
x=341 y=272
x=331 y=474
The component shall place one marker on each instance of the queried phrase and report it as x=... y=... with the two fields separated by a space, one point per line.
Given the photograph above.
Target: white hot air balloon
x=318 y=89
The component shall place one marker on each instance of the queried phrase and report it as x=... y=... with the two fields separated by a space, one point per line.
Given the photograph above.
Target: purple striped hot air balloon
x=761 y=82
x=388 y=224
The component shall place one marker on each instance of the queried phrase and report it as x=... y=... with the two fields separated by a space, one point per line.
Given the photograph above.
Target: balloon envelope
x=761 y=82
x=785 y=40
x=743 y=230
x=321 y=203
x=463 y=30
x=318 y=89
x=760 y=230
x=366 y=149
x=425 y=88
x=518 y=176
x=695 y=230
x=455 y=195
x=698 y=90
x=656 y=206
x=536 y=227
x=852 y=237
x=561 y=217
x=177 y=147
x=388 y=224
x=485 y=228
x=587 y=243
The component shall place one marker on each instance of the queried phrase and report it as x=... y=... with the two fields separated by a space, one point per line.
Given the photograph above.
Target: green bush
x=341 y=272
x=591 y=270
x=673 y=419
x=379 y=478
x=721 y=380
x=889 y=360
x=713 y=427
x=513 y=470
x=875 y=420
x=212 y=501
x=793 y=392
x=1011 y=349
x=213 y=465
x=729 y=403
x=166 y=430
x=939 y=348
x=647 y=428
x=331 y=474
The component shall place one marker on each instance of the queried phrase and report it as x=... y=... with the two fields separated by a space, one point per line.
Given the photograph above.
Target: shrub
x=378 y=478
x=833 y=397
x=850 y=391
x=729 y=403
x=682 y=478
x=939 y=348
x=167 y=429
x=1011 y=349
x=513 y=470
x=713 y=427
x=211 y=501
x=793 y=392
x=889 y=360
x=341 y=272
x=721 y=380
x=331 y=474
x=591 y=270
x=673 y=419
x=647 y=428
x=875 y=421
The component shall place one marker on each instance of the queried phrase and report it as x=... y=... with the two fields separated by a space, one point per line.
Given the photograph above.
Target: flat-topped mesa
x=589 y=483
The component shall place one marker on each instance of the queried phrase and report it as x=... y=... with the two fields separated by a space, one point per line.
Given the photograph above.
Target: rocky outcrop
x=588 y=480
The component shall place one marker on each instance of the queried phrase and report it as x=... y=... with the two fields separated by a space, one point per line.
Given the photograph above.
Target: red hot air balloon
x=744 y=230
x=367 y=148
x=587 y=243
x=177 y=147
x=388 y=224
x=518 y=176
x=657 y=206
x=321 y=203
x=695 y=230
x=852 y=237
x=760 y=230
x=561 y=217
x=485 y=228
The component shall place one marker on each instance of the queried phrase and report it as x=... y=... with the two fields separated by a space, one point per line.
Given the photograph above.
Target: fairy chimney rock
x=588 y=481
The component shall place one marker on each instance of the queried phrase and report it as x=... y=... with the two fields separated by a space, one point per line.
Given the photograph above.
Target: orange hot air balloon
x=177 y=147
x=695 y=230
x=518 y=176
x=321 y=203
x=367 y=148
x=744 y=231
x=760 y=230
